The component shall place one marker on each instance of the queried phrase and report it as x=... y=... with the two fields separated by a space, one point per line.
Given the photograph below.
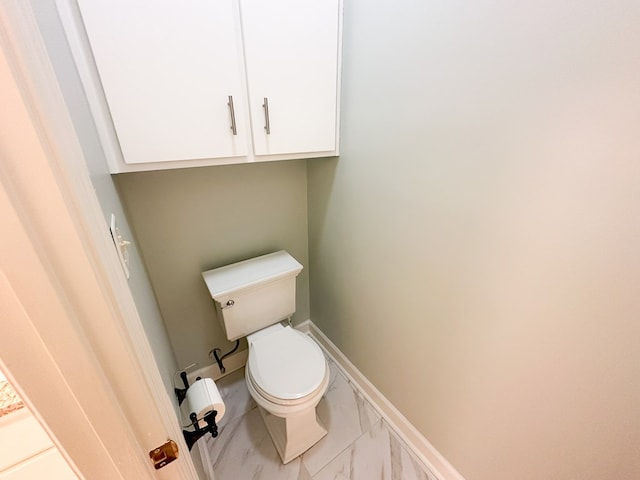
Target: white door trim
x=48 y=188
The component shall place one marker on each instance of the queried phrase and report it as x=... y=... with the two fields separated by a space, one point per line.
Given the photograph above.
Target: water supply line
x=215 y=354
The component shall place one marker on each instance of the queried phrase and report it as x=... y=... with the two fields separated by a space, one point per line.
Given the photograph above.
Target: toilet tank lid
x=226 y=280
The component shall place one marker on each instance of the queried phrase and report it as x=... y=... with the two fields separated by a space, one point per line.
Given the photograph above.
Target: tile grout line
x=371 y=404
x=380 y=422
x=433 y=462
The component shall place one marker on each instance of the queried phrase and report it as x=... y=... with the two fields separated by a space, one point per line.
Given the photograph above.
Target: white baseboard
x=205 y=458
x=233 y=362
x=415 y=441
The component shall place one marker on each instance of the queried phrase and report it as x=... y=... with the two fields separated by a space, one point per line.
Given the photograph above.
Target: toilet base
x=295 y=434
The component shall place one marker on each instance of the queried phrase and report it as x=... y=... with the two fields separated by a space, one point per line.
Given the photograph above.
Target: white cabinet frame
x=79 y=45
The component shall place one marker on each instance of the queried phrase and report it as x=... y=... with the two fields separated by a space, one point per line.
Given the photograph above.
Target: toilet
x=286 y=372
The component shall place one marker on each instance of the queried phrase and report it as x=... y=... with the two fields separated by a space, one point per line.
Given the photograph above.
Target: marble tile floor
x=359 y=446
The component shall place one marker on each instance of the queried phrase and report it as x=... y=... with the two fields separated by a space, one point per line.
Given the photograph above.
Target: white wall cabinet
x=176 y=83
x=291 y=49
x=168 y=69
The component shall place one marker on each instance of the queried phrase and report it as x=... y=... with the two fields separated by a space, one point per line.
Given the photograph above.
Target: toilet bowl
x=287 y=375
x=286 y=371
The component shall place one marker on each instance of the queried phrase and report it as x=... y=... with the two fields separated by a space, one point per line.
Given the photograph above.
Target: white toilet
x=286 y=372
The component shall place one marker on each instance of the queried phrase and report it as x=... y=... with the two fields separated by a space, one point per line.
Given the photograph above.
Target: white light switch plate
x=121 y=246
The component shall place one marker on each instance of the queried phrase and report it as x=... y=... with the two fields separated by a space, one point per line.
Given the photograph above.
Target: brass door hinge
x=164 y=454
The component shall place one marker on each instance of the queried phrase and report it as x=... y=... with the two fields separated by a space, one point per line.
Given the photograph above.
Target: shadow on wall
x=188 y=221
x=320 y=177
x=322 y=200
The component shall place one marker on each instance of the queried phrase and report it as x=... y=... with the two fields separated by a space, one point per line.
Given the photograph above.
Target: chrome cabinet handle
x=265 y=105
x=233 y=115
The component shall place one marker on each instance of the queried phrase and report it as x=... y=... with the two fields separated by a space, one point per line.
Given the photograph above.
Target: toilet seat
x=284 y=402
x=285 y=366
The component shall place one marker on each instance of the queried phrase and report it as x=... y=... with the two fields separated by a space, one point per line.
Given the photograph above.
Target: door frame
x=66 y=295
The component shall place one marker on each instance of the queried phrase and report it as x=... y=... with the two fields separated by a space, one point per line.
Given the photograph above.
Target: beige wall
x=475 y=251
x=191 y=220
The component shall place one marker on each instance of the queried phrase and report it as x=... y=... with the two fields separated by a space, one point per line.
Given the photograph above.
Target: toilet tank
x=255 y=293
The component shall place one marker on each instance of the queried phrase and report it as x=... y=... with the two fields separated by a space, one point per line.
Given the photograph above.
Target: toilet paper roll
x=203 y=397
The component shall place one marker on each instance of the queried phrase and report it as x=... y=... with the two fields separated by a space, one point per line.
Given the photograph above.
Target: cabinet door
x=291 y=51
x=167 y=68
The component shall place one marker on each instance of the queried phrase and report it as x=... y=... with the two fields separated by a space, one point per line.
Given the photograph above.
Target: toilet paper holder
x=181 y=393
x=192 y=436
